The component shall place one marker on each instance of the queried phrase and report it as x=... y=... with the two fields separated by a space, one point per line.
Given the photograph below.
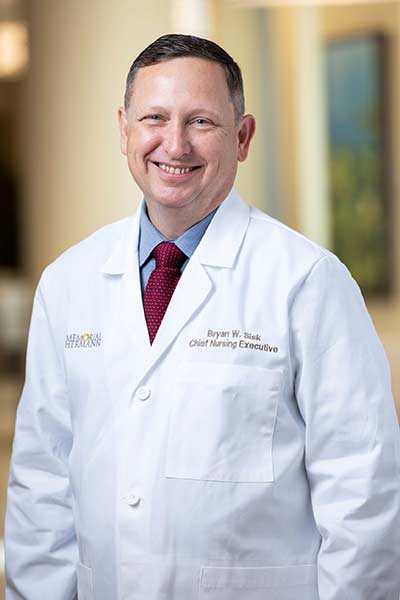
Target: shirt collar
x=150 y=237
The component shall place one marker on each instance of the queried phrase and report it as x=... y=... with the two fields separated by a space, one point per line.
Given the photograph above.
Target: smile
x=175 y=170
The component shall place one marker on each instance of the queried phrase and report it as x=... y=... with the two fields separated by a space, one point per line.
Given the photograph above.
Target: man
x=208 y=417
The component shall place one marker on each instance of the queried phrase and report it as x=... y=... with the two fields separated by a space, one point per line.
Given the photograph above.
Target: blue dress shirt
x=150 y=237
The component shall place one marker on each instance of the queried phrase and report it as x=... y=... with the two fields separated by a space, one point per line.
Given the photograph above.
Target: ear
x=123 y=129
x=246 y=132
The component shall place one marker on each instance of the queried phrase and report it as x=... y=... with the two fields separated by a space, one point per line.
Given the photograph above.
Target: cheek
x=224 y=157
x=223 y=147
x=141 y=143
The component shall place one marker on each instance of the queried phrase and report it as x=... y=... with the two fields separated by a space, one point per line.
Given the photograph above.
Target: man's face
x=180 y=136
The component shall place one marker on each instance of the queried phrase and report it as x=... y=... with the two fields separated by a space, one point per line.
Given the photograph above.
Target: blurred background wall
x=321 y=77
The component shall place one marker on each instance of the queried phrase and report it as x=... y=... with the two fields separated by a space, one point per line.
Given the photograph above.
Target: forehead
x=183 y=77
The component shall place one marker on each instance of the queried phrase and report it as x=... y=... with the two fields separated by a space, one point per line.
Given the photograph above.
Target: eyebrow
x=204 y=111
x=191 y=113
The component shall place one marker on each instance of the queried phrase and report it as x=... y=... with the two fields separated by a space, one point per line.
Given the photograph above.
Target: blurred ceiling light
x=13 y=49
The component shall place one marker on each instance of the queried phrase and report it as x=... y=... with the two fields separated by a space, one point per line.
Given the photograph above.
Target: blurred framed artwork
x=359 y=165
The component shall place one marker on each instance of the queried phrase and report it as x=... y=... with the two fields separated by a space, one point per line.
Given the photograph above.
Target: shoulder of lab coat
x=90 y=254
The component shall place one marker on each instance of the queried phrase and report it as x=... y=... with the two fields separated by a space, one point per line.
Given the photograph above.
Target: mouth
x=175 y=170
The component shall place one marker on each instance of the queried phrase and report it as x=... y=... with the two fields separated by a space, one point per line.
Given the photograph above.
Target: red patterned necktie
x=161 y=284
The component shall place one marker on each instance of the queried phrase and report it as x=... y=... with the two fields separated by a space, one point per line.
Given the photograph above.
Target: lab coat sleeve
x=352 y=457
x=40 y=542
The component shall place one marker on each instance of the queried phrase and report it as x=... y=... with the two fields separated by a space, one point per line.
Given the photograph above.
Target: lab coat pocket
x=85 y=582
x=222 y=423
x=259 y=583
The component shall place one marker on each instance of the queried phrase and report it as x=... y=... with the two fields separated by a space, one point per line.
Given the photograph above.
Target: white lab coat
x=252 y=453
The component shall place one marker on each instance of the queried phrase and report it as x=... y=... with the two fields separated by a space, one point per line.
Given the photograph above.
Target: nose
x=176 y=140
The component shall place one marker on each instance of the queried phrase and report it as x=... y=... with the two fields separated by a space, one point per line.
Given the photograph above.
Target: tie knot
x=167 y=254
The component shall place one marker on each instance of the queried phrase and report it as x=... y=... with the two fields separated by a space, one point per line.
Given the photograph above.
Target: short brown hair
x=172 y=46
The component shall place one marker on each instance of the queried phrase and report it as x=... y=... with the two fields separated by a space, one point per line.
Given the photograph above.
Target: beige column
x=191 y=17
x=310 y=106
x=76 y=180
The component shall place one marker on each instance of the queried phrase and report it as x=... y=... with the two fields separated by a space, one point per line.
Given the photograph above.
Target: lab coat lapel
x=132 y=313
x=127 y=336
x=218 y=248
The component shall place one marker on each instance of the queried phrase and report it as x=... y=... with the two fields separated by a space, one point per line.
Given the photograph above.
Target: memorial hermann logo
x=82 y=340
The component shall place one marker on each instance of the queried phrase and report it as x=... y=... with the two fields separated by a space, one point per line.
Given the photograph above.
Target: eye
x=201 y=121
x=152 y=118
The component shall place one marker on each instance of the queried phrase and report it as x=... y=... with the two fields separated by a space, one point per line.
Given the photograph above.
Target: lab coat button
x=143 y=393
x=133 y=499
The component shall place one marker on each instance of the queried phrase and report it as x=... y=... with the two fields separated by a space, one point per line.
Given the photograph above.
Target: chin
x=173 y=200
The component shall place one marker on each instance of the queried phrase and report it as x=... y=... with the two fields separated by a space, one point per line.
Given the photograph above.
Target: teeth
x=173 y=170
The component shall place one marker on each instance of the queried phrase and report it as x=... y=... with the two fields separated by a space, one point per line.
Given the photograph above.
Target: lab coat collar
x=223 y=238
x=218 y=247
x=126 y=247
